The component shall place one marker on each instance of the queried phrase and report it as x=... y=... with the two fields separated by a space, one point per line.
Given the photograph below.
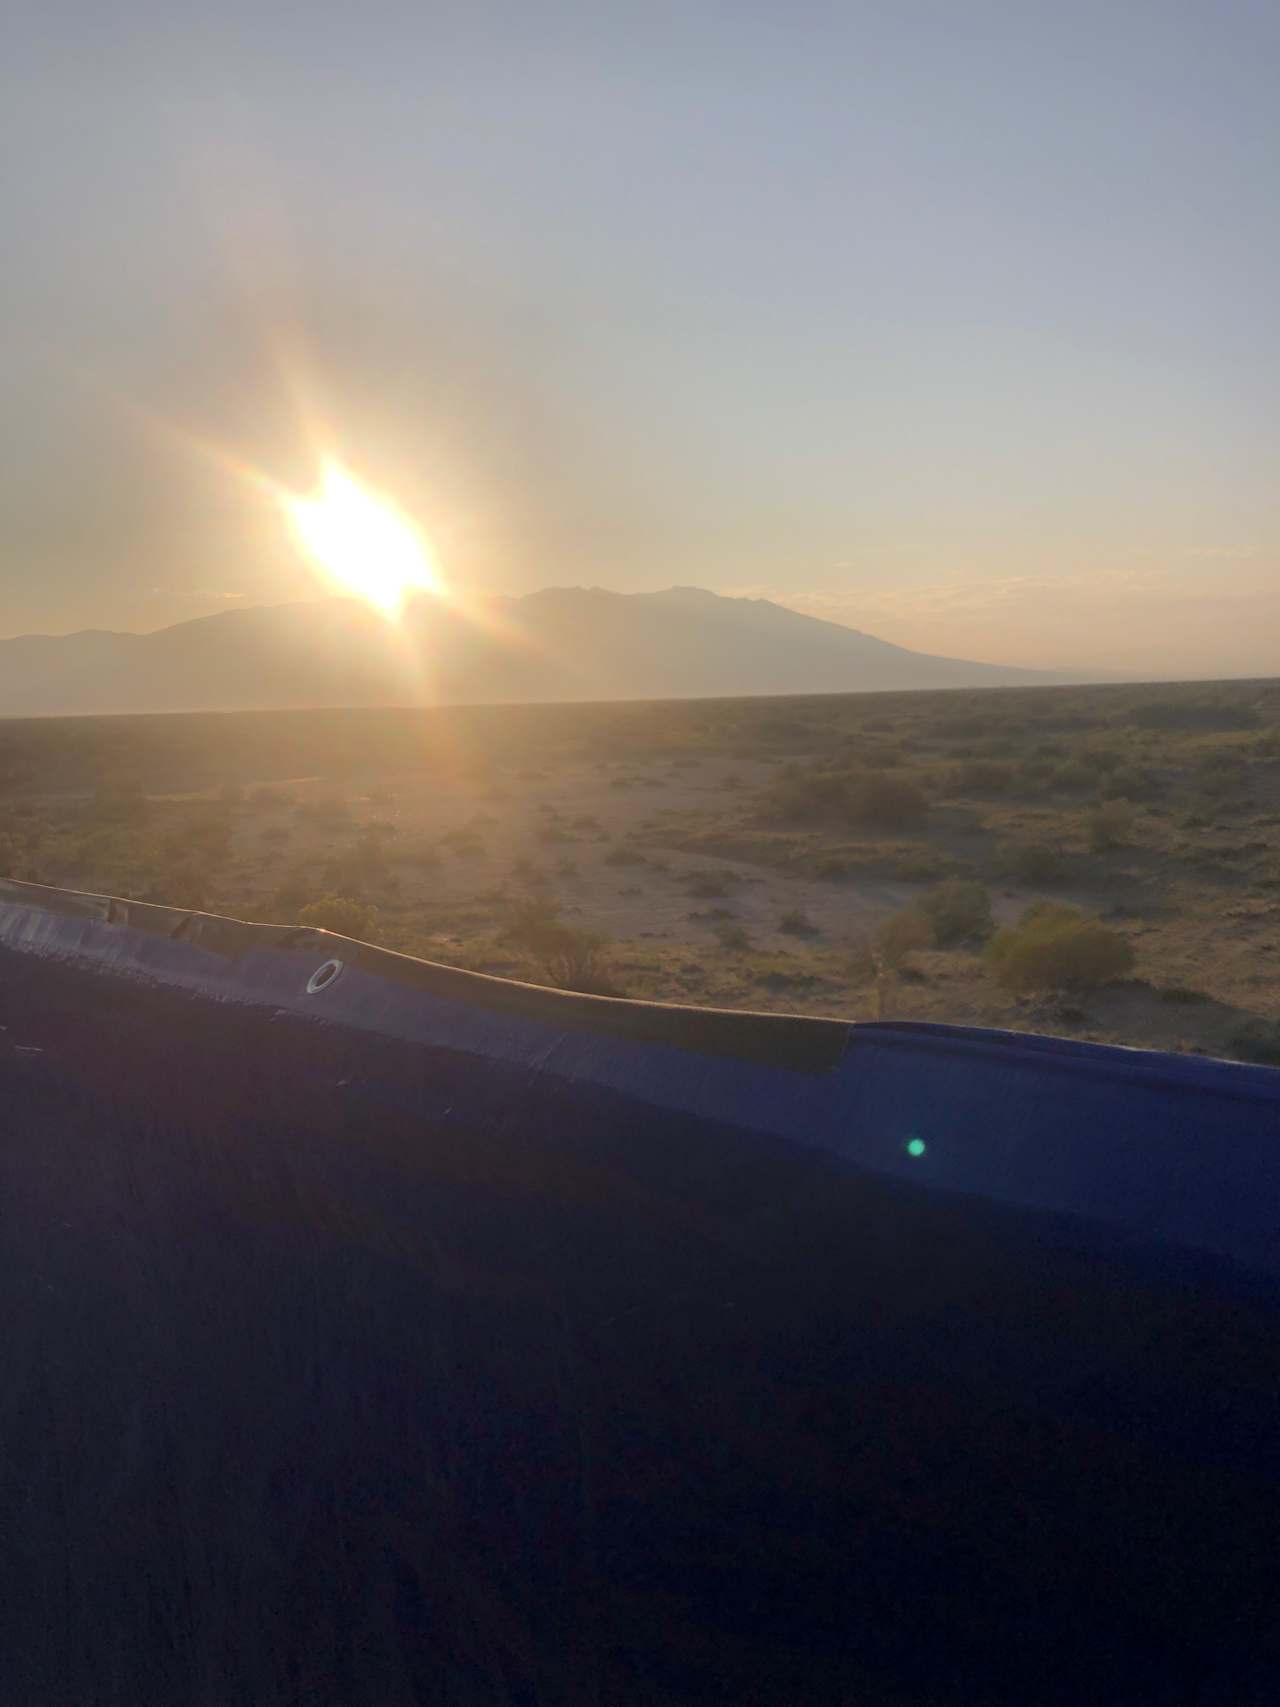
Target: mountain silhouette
x=563 y=643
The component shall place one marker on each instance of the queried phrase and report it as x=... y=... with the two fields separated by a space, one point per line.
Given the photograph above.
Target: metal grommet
x=323 y=976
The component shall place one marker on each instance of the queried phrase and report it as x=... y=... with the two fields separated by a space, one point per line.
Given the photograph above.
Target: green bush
x=342 y=914
x=796 y=922
x=1056 y=947
x=960 y=909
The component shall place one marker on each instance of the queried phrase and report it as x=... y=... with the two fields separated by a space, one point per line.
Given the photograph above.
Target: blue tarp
x=381 y=1332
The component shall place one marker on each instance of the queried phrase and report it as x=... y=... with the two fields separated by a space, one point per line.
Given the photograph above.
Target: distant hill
x=563 y=643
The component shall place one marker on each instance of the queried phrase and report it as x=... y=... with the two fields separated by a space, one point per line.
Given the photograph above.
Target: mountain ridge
x=558 y=643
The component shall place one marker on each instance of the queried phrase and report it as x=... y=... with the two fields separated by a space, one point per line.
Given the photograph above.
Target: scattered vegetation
x=1032 y=862
x=868 y=828
x=901 y=935
x=557 y=953
x=1257 y=1040
x=855 y=799
x=343 y=915
x=1109 y=826
x=1057 y=947
x=959 y=910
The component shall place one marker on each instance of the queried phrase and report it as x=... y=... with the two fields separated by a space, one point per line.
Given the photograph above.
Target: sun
x=361 y=541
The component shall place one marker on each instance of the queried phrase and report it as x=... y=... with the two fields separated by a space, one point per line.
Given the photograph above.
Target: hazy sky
x=953 y=319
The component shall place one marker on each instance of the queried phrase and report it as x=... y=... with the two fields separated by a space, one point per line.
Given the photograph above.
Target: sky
x=953 y=320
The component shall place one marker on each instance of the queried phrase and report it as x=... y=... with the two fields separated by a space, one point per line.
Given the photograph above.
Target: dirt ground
x=696 y=842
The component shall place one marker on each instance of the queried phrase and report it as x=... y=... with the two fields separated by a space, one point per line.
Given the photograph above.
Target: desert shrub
x=1075 y=778
x=423 y=854
x=1192 y=714
x=1032 y=862
x=1056 y=947
x=624 y=856
x=182 y=886
x=1098 y=758
x=887 y=803
x=900 y=935
x=966 y=727
x=577 y=960
x=297 y=887
x=1035 y=777
x=796 y=922
x=1109 y=826
x=860 y=962
x=1257 y=1040
x=119 y=802
x=325 y=809
x=709 y=885
x=918 y=865
x=531 y=921
x=960 y=909
x=806 y=796
x=864 y=799
x=342 y=914
x=559 y=954
x=1129 y=783
x=733 y=938
x=1220 y=774
x=983 y=776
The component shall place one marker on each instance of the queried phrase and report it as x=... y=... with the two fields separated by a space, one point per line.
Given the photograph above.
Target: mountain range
x=563 y=643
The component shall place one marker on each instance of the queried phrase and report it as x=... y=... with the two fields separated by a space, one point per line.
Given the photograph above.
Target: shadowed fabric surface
x=350 y=1361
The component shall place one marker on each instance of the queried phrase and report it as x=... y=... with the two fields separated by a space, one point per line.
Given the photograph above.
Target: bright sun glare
x=361 y=540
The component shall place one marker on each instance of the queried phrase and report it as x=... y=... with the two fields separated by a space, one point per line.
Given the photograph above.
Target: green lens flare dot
x=916 y=1146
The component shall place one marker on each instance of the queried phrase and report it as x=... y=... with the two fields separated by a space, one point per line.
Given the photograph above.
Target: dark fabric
x=345 y=1368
